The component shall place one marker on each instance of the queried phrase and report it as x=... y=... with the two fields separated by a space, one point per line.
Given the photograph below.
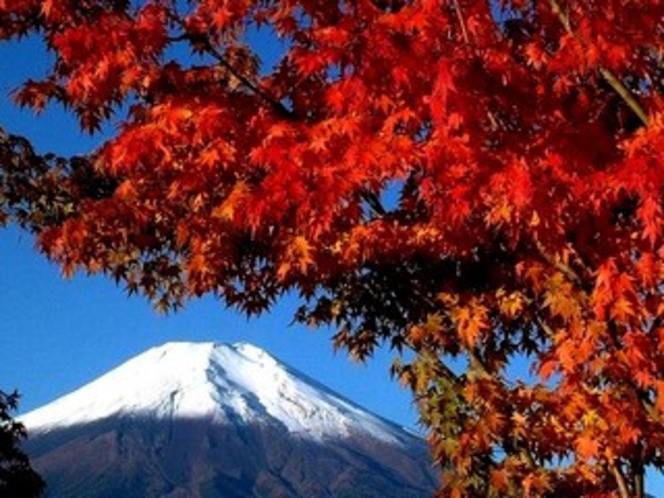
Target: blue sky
x=56 y=334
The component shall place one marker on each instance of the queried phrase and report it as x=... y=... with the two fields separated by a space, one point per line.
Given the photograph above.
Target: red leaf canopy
x=473 y=179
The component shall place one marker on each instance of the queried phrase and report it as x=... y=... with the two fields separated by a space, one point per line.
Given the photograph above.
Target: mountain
x=217 y=420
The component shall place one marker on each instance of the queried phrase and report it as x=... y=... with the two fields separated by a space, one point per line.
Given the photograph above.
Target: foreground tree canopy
x=17 y=478
x=479 y=182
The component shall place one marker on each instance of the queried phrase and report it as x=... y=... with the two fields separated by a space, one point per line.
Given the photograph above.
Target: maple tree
x=478 y=182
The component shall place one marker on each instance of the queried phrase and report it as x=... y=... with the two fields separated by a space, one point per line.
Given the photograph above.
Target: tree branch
x=462 y=21
x=620 y=480
x=373 y=201
x=562 y=16
x=608 y=76
x=252 y=86
x=477 y=363
x=625 y=94
x=639 y=487
x=545 y=326
x=559 y=265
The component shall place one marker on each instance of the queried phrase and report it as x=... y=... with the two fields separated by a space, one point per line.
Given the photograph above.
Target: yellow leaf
x=510 y=304
x=226 y=210
x=471 y=321
x=297 y=255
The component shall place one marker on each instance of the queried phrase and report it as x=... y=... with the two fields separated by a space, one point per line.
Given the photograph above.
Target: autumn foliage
x=478 y=182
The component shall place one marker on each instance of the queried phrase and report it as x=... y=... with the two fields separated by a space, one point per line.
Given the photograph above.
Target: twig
x=373 y=201
x=559 y=265
x=462 y=21
x=527 y=456
x=255 y=88
x=625 y=94
x=562 y=16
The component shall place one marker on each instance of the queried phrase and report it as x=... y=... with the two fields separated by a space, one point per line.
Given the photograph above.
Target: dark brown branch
x=374 y=203
x=639 y=485
x=254 y=87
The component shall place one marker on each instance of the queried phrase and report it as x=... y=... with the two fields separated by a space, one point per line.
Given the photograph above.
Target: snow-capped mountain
x=225 y=383
x=203 y=419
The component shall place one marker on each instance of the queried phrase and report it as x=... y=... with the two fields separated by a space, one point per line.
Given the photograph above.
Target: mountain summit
x=218 y=420
x=237 y=383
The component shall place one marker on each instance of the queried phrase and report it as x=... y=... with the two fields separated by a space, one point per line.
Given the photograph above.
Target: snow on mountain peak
x=226 y=383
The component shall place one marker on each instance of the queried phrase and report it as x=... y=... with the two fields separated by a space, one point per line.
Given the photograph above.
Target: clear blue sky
x=56 y=334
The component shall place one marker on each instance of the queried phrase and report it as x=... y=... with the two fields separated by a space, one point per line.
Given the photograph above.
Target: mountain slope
x=217 y=420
